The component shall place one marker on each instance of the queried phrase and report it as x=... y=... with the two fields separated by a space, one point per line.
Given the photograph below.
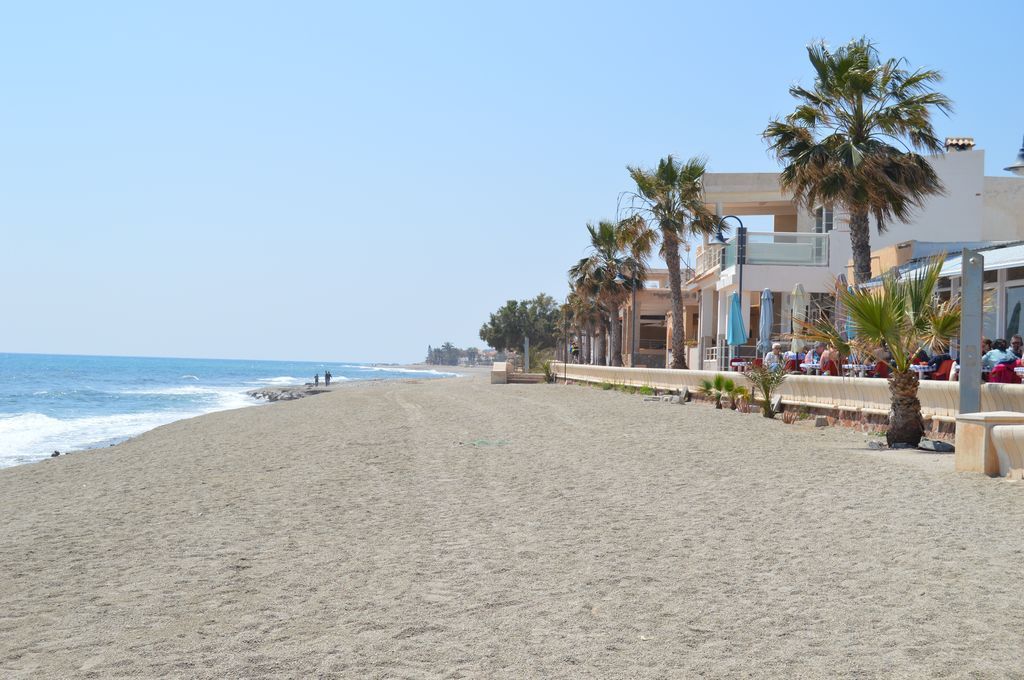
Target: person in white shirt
x=774 y=359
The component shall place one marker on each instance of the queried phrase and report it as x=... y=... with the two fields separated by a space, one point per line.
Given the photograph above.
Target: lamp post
x=1017 y=167
x=741 y=258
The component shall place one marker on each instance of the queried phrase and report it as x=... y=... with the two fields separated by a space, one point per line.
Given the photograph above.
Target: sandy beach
x=455 y=529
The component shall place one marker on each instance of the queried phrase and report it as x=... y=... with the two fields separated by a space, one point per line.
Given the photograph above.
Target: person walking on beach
x=327 y=378
x=316 y=380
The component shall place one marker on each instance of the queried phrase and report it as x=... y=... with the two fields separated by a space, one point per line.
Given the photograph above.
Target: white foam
x=284 y=380
x=33 y=436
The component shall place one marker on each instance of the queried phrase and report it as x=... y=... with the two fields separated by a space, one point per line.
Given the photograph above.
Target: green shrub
x=765 y=381
x=549 y=374
x=721 y=387
x=645 y=390
x=607 y=386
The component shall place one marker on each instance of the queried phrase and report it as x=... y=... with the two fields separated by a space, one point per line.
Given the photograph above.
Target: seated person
x=774 y=359
x=830 y=356
x=1017 y=346
x=937 y=360
x=999 y=354
x=814 y=356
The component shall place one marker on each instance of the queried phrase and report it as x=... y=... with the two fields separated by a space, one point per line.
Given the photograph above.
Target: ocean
x=69 y=403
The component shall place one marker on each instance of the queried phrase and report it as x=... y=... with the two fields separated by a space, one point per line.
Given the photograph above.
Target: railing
x=646 y=343
x=708 y=257
x=783 y=248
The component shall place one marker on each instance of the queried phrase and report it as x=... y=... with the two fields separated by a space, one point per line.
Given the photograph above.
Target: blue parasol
x=736 y=331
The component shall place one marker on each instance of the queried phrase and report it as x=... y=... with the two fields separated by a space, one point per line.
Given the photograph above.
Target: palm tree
x=846 y=142
x=586 y=317
x=671 y=198
x=904 y=315
x=615 y=263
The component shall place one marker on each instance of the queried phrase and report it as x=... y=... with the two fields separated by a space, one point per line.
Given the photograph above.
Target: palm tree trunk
x=670 y=242
x=860 y=243
x=615 y=336
x=585 y=339
x=905 y=423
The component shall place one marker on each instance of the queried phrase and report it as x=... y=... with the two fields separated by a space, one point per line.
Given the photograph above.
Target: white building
x=812 y=248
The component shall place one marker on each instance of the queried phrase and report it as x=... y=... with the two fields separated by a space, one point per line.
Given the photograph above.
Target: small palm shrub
x=722 y=387
x=765 y=381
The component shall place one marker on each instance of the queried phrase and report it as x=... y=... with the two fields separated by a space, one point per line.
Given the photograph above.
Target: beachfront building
x=787 y=246
x=1003 y=279
x=646 y=327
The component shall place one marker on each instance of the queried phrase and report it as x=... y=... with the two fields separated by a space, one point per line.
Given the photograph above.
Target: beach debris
x=821 y=421
x=875 y=445
x=936 y=445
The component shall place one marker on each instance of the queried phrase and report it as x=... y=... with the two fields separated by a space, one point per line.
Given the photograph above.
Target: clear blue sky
x=355 y=181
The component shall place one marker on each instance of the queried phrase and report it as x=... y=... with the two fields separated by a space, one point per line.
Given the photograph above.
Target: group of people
x=998 y=357
x=822 y=355
x=327 y=379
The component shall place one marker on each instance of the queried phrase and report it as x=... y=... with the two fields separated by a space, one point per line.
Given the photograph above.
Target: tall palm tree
x=904 y=315
x=671 y=198
x=615 y=263
x=851 y=140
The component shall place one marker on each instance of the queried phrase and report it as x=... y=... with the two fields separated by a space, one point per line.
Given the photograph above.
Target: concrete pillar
x=973 y=289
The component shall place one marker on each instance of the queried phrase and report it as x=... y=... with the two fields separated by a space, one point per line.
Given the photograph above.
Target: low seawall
x=850 y=401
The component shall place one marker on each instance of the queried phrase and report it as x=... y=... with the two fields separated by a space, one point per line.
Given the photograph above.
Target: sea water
x=69 y=403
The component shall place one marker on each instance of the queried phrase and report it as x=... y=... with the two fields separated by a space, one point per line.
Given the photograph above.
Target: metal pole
x=526 y=354
x=972 y=292
x=632 y=330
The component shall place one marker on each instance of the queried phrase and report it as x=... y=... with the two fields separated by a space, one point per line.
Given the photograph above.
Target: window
x=1014 y=303
x=823 y=220
x=991 y=275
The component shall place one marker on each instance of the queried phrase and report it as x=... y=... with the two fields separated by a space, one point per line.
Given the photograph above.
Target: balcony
x=800 y=249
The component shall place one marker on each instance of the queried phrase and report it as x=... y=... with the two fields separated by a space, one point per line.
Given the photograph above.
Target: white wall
x=1003 y=215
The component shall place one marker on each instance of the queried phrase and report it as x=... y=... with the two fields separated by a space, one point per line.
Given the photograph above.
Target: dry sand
x=452 y=528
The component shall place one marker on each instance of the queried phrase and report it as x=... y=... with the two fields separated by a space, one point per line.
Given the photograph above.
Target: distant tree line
x=449 y=355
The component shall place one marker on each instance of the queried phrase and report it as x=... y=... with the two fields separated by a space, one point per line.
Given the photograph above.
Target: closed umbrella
x=798 y=300
x=736 y=330
x=840 y=313
x=764 y=328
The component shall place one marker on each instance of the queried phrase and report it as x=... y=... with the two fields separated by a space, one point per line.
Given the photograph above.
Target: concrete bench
x=976 y=435
x=499 y=373
x=1009 y=443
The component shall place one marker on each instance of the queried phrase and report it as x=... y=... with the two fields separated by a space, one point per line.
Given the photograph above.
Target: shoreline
x=260 y=396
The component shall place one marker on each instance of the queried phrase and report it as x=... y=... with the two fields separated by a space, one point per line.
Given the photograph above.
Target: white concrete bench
x=1009 y=444
x=499 y=373
x=976 y=437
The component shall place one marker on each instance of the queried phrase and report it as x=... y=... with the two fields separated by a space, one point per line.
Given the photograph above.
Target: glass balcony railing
x=782 y=248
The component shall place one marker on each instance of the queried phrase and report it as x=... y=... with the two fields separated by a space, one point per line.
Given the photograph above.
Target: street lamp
x=741 y=258
x=632 y=326
x=1017 y=167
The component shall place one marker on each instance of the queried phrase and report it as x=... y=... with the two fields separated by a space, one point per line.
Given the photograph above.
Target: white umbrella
x=840 y=313
x=798 y=302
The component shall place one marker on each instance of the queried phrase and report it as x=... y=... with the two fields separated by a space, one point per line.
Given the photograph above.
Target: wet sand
x=451 y=528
